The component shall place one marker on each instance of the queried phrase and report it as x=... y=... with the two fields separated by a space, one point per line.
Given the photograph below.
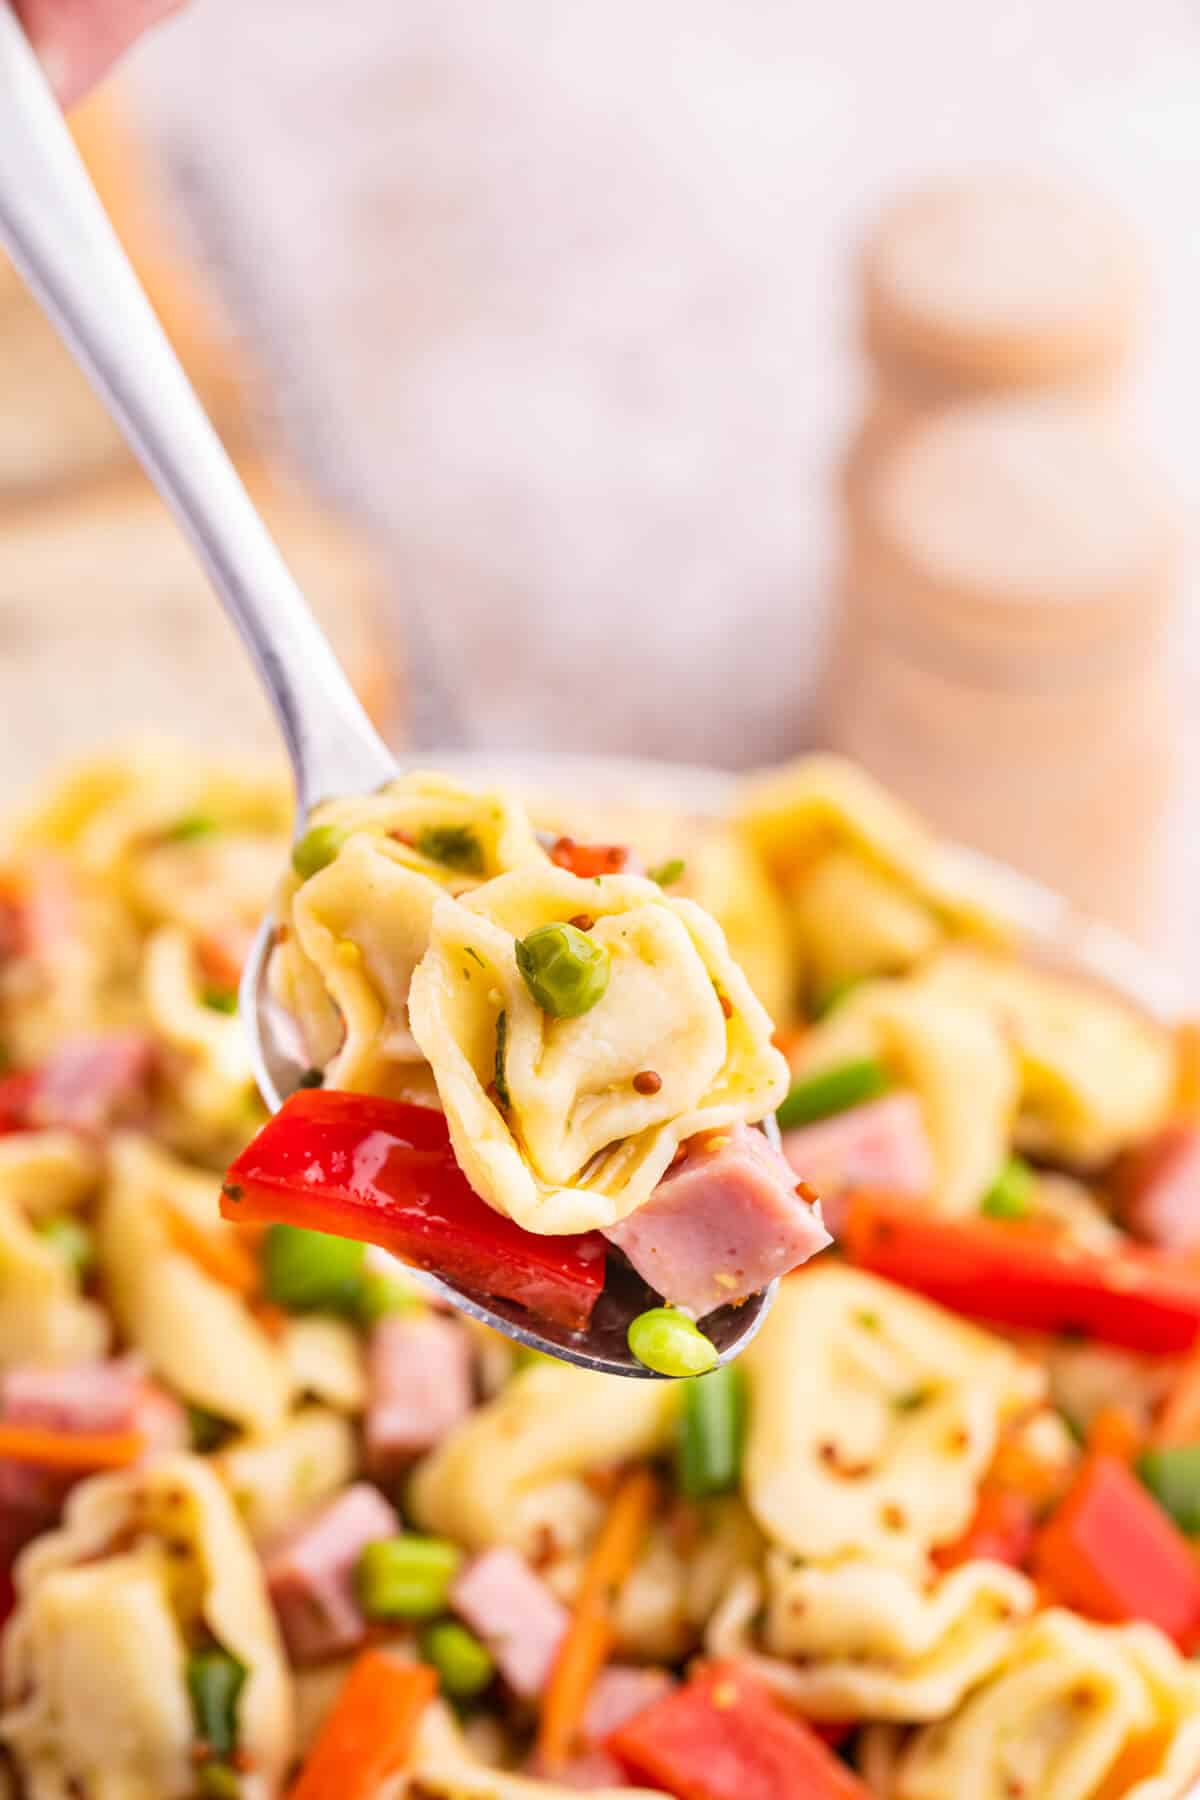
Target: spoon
x=57 y=232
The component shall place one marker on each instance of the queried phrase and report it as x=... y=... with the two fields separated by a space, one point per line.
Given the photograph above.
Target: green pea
x=670 y=1343
x=217 y=1781
x=406 y=1577
x=222 y=1000
x=214 y=1682
x=669 y=872
x=831 y=1091
x=311 y=1271
x=455 y=845
x=71 y=1240
x=1011 y=1193
x=711 y=1429
x=316 y=849
x=564 y=969
x=190 y=826
x=1172 y=1474
x=464 y=1665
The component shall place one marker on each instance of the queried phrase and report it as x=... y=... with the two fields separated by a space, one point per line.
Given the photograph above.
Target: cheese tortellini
x=146 y=1563
x=1074 y=1710
x=353 y=932
x=955 y=1059
x=488 y=1482
x=873 y=1416
x=43 y=1315
x=579 y=1146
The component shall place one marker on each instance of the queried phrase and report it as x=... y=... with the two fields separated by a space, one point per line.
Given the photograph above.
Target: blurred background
x=703 y=381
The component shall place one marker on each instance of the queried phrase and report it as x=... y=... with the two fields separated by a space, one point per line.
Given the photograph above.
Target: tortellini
x=43 y=1316
x=192 y=1330
x=146 y=1563
x=855 y=1640
x=1075 y=1710
x=353 y=933
x=580 y=1146
x=483 y=1486
x=956 y=1060
x=869 y=890
x=873 y=1416
x=217 y=1085
x=279 y=1480
x=1095 y=1074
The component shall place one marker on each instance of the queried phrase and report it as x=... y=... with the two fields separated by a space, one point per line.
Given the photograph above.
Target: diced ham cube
x=310 y=1575
x=419 y=1386
x=721 y=1224
x=513 y=1611
x=1157 y=1188
x=90 y=1083
x=619 y=1691
x=881 y=1145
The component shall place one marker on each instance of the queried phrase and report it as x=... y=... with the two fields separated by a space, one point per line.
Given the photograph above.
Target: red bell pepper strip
x=590 y=860
x=383 y=1171
x=1111 y=1552
x=367 y=1738
x=1011 y=1273
x=723 y=1737
x=1001 y=1530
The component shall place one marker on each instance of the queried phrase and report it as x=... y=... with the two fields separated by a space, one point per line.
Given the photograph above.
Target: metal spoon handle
x=56 y=230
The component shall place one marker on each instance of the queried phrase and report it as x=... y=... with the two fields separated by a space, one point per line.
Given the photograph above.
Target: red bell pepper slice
x=1111 y=1552
x=723 y=1737
x=1012 y=1273
x=1001 y=1530
x=590 y=860
x=383 y=1171
x=17 y=1093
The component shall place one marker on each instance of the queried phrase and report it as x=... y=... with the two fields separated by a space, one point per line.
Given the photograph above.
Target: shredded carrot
x=69 y=1449
x=588 y=1640
x=220 y=1255
x=1113 y=1430
x=368 y=1737
x=1178 y=1420
x=1186 y=1100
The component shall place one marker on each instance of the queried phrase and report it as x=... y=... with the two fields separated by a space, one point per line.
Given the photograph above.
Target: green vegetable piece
x=1172 y=1474
x=831 y=1091
x=191 y=826
x=1011 y=1193
x=711 y=1431
x=312 y=1078
x=208 y=1429
x=670 y=1343
x=830 y=998
x=564 y=969
x=311 y=1271
x=217 y=1781
x=406 y=1577
x=71 y=1240
x=669 y=872
x=222 y=1000
x=455 y=845
x=501 y=1078
x=464 y=1665
x=316 y=849
x=214 y=1682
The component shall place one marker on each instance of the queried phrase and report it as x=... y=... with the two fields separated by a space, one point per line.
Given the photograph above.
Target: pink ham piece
x=882 y=1145
x=418 y=1387
x=514 y=1613
x=619 y=1691
x=90 y=1083
x=1157 y=1188
x=310 y=1574
x=721 y=1224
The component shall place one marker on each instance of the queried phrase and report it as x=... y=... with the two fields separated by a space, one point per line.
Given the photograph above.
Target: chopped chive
x=191 y=826
x=316 y=849
x=214 y=1682
x=406 y=1577
x=222 y=1000
x=501 y=1076
x=711 y=1429
x=669 y=872
x=912 y=1400
x=464 y=1665
x=830 y=1091
x=830 y=998
x=457 y=846
x=71 y=1240
x=1011 y=1193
